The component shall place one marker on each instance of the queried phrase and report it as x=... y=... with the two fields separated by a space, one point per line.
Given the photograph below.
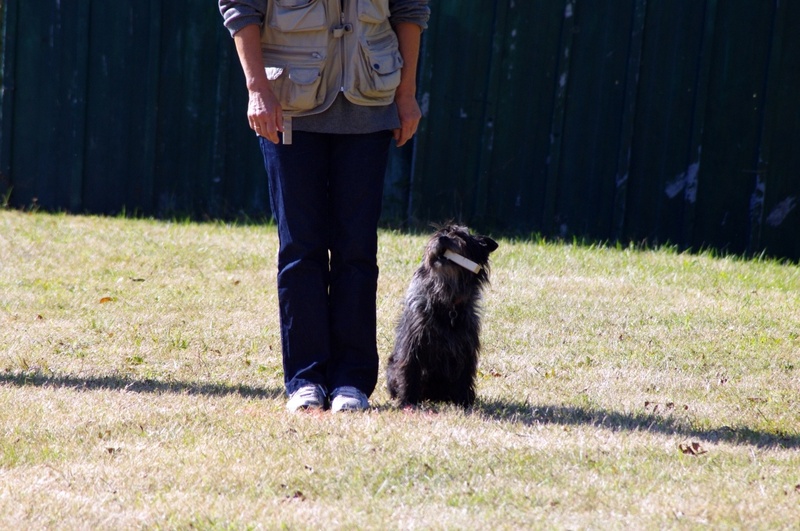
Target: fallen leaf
x=758 y=399
x=692 y=448
x=137 y=279
x=669 y=406
x=105 y=300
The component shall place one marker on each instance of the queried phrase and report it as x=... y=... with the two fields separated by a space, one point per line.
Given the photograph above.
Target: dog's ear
x=487 y=242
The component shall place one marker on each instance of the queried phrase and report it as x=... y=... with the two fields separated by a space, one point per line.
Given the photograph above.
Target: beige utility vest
x=313 y=49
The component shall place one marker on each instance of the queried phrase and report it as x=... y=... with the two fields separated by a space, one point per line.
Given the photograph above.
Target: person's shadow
x=668 y=424
x=123 y=383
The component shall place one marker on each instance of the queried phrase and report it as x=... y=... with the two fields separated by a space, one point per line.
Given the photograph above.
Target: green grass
x=141 y=387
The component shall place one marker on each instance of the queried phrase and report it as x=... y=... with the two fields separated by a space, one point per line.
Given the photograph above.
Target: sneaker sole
x=349 y=408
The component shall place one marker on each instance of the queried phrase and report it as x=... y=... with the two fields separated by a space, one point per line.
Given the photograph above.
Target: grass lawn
x=141 y=387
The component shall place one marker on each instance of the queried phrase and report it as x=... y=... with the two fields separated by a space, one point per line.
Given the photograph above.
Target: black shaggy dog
x=435 y=354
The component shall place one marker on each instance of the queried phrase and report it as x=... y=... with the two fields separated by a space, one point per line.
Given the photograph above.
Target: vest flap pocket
x=304 y=75
x=376 y=73
x=385 y=62
x=296 y=75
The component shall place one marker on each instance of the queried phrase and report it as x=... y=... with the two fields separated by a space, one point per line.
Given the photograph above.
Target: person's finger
x=267 y=128
x=405 y=133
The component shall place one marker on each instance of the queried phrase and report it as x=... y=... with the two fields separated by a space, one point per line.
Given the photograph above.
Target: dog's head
x=453 y=250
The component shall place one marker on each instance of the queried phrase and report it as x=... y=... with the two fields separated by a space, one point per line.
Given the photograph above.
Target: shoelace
x=349 y=392
x=308 y=392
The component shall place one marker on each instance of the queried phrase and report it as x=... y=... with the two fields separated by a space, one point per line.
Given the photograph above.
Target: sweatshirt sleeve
x=414 y=11
x=237 y=14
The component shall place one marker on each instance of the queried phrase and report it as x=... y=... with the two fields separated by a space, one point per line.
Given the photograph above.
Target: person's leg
x=298 y=181
x=358 y=166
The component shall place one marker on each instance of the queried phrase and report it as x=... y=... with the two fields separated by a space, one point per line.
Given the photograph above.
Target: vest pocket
x=373 y=11
x=377 y=70
x=298 y=15
x=296 y=76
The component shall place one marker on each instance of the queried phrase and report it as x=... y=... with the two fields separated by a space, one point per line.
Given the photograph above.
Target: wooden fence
x=649 y=121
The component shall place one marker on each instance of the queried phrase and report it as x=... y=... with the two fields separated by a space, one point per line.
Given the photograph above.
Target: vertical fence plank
x=628 y=118
x=8 y=33
x=524 y=106
x=217 y=205
x=664 y=121
x=492 y=91
x=768 y=117
x=48 y=105
x=690 y=177
x=765 y=141
x=77 y=97
x=779 y=161
x=549 y=222
x=592 y=123
x=720 y=215
x=118 y=120
x=186 y=109
x=457 y=56
x=151 y=83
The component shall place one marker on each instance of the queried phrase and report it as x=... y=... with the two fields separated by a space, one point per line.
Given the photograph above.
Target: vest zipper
x=341 y=45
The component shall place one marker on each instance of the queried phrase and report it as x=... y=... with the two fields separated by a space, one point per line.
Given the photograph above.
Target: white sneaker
x=348 y=398
x=307 y=397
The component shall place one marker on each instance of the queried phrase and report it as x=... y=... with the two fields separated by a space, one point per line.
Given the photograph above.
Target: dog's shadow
x=668 y=424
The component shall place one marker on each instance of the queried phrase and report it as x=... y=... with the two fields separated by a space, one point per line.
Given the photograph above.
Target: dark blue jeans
x=325 y=194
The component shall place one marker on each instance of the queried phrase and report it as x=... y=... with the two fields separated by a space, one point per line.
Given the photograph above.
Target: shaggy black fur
x=435 y=354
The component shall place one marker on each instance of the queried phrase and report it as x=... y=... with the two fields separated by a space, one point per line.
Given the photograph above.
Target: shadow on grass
x=122 y=383
x=530 y=414
x=509 y=412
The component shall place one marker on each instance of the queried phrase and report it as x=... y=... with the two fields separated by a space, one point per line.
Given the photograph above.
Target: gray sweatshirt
x=342 y=117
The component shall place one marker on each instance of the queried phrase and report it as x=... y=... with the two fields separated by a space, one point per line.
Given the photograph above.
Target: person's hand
x=410 y=114
x=264 y=113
